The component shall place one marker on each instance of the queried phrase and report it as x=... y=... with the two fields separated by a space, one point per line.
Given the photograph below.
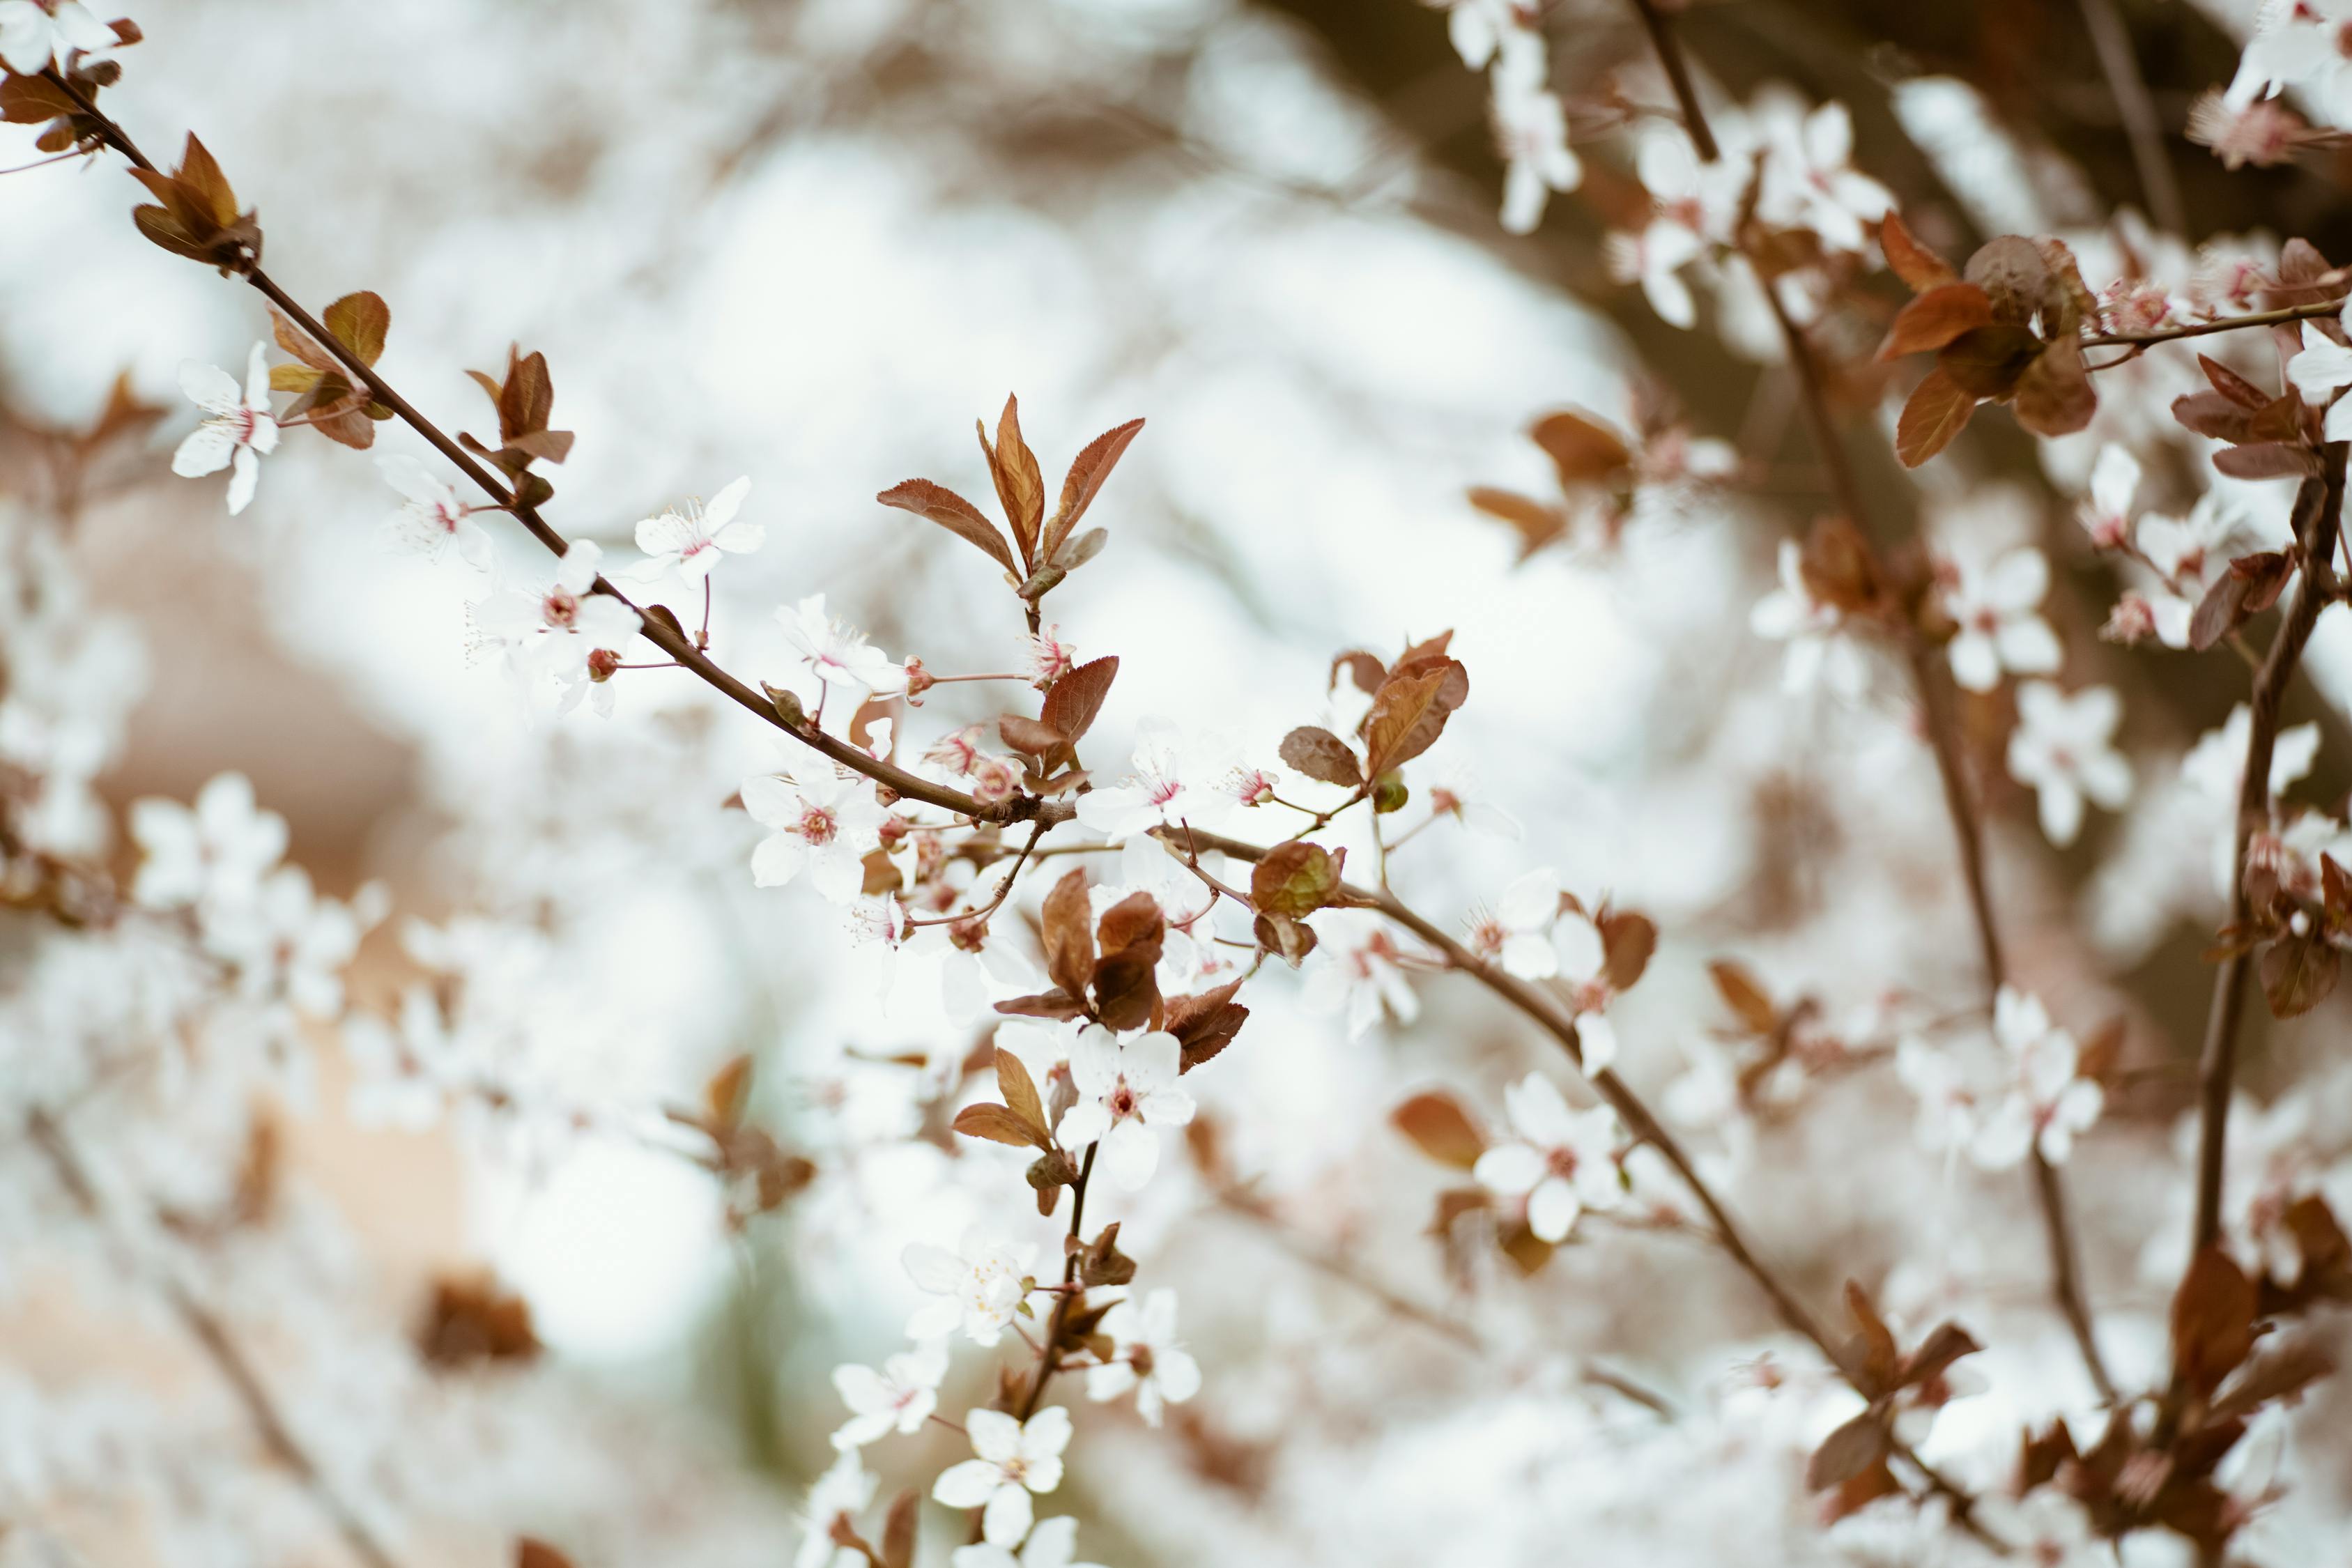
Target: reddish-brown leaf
x=1076 y=697
x=2268 y=460
x=1205 y=1024
x=1295 y=878
x=1436 y=1122
x=2014 y=275
x=1584 y=450
x=1364 y=670
x=534 y=1553
x=1019 y=487
x=2210 y=414
x=2212 y=1320
x=899 y=1530
x=999 y=1124
x=1988 y=360
x=1745 y=995
x=1321 y=754
x=1848 y=1452
x=1917 y=265
x=1085 y=481
x=1939 y=410
x=2298 y=973
x=1536 y=523
x=361 y=322
x=1409 y=713
x=1069 y=935
x=953 y=512
x=1019 y=1091
x=1030 y=737
x=1627 y=940
x=1935 y=319
x=2231 y=384
x=2054 y=396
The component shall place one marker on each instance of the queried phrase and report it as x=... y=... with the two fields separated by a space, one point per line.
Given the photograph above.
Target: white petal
x=256 y=378
x=725 y=504
x=1509 y=1170
x=995 y=1436
x=244 y=474
x=1046 y=1436
x=209 y=387
x=778 y=859
x=206 y=450
x=1131 y=1153
x=1552 y=1209
x=971 y=1483
x=1006 y=1519
x=1082 y=1124
x=1094 y=1064
x=1151 y=1062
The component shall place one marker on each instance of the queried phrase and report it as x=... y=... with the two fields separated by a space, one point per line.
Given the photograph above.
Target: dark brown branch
x=1937 y=701
x=2319 y=513
x=2157 y=183
x=228 y=1357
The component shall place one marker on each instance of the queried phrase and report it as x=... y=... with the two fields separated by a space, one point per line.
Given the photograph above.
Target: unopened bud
x=787 y=705
x=918 y=680
x=602 y=664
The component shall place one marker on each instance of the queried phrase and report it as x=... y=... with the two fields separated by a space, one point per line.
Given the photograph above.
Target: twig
x=228 y=1357
x=2320 y=505
x=1936 y=701
x=2157 y=182
x=2278 y=318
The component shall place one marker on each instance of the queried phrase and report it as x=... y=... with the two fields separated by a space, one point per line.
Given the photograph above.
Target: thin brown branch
x=1937 y=704
x=2278 y=318
x=2319 y=513
x=228 y=1354
x=2158 y=184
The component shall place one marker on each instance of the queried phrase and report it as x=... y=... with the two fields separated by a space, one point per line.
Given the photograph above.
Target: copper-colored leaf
x=2268 y=460
x=199 y=174
x=1536 y=523
x=2054 y=396
x=1085 y=481
x=1847 y=1452
x=361 y=322
x=1935 y=319
x=1295 y=878
x=1030 y=737
x=899 y=1530
x=1321 y=754
x=1627 y=940
x=1873 y=1357
x=2212 y=1320
x=1436 y=1122
x=1582 y=449
x=1019 y=487
x=1939 y=410
x=999 y=1124
x=1745 y=995
x=2298 y=973
x=953 y=512
x=1409 y=712
x=1068 y=935
x=1077 y=696
x=1364 y=670
x=2210 y=414
x=1019 y=1091
x=2231 y=384
x=1988 y=360
x=531 y=1553
x=2014 y=275
x=1911 y=261
x=1205 y=1024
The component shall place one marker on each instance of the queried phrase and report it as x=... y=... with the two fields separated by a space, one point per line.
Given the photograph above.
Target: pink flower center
x=818 y=825
x=561 y=608
x=1122 y=1102
x=1160 y=790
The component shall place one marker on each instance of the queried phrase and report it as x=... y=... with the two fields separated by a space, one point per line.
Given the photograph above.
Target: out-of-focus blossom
x=1822 y=648
x=842 y=1493
x=1997 y=609
x=1054 y=1543
x=838 y=652
x=980 y=1287
x=2115 y=481
x=1147 y=1358
x=215 y=852
x=1013 y=1460
x=2063 y=748
x=436 y=523
x=34 y=32
x=2046 y=1101
x=1563 y=1161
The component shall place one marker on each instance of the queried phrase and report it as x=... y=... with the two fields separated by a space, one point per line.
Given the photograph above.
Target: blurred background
x=810 y=242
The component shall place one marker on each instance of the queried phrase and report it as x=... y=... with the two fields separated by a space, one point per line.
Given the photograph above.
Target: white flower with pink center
x=1563 y=1163
x=2115 y=481
x=1050 y=657
x=1355 y=972
x=1531 y=131
x=838 y=652
x=826 y=827
x=2063 y=748
x=900 y=1397
x=980 y=1287
x=1999 y=611
x=1517 y=934
x=1147 y=1358
x=1820 y=648
x=1126 y=1094
x=1016 y=1458
x=688 y=540
x=2047 y=1101
x=566 y=632
x=436 y=523
x=237 y=429
x=1154 y=795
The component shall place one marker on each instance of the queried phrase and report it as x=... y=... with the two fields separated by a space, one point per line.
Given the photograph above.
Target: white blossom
x=437 y=522
x=216 y=853
x=1563 y=1161
x=1998 y=609
x=842 y=1492
x=1127 y=1092
x=901 y=1396
x=1517 y=935
x=2063 y=747
x=1054 y=1543
x=237 y=428
x=823 y=825
x=2046 y=1101
x=688 y=542
x=1014 y=1459
x=1147 y=1358
x=839 y=654
x=1820 y=648
x=35 y=32
x=980 y=1287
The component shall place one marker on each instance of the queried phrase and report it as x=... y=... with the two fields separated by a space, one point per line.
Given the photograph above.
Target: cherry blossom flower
x=2189 y=553
x=1476 y=29
x=2322 y=370
x=1811 y=161
x=1050 y=657
x=216 y=853
x=1820 y=646
x=1355 y=972
x=826 y=826
x=1583 y=963
x=2115 y=481
x=1127 y=1092
x=286 y=943
x=560 y=631
x=2063 y=748
x=2000 y=626
x=1563 y=1163
x=1053 y=1545
x=1517 y=935
x=1014 y=1459
x=2216 y=765
x=35 y=32
x=980 y=1287
x=1148 y=1359
x=2046 y=1101
x=689 y=542
x=436 y=521
x=838 y=652
x=842 y=1492
x=901 y=1396
x=2298 y=44
x=1154 y=795
x=1531 y=129
x=1654 y=259
x=2264 y=134
x=237 y=428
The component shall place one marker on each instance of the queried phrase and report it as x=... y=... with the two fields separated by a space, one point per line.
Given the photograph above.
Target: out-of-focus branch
x=228 y=1356
x=2319 y=509
x=1937 y=701
x=2278 y=318
x=2157 y=183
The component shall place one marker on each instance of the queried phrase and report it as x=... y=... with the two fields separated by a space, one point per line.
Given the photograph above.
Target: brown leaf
x=1438 y=1125
x=2298 y=973
x=1838 y=565
x=1582 y=449
x=1409 y=713
x=1917 y=265
x=1076 y=697
x=999 y=1124
x=899 y=1530
x=1527 y=1250
x=1321 y=754
x=1989 y=361
x=1627 y=940
x=1019 y=487
x=2282 y=1372
x=1946 y=1343
x=199 y=173
x=531 y=1553
x=1102 y=1263
x=1030 y=737
x=1536 y=523
x=2268 y=460
x=2212 y=1320
x=1847 y=1452
x=1363 y=668
x=1873 y=1357
x=2232 y=385
x=1085 y=481
x=471 y=1322
x=1290 y=939
x=953 y=512
x=729 y=1088
x=1745 y=995
x=1939 y=410
x=1935 y=319
x=1295 y=878
x=34 y=100
x=1205 y=1024
x=2251 y=585
x=1054 y=1004
x=2213 y=415
x=2014 y=275
x=361 y=322
x=1019 y=1091
x=2054 y=396
x=1068 y=935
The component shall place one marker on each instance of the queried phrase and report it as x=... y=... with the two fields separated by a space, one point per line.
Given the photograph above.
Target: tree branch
x=2157 y=182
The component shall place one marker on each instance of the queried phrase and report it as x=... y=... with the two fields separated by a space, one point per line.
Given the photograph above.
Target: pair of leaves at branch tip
x=2008 y=330
x=36 y=100
x=1850 y=1460
x=1100 y=1262
x=1296 y=878
x=1586 y=453
x=1121 y=973
x=2251 y=585
x=198 y=218
x=2213 y=1318
x=1321 y=755
x=1020 y=1121
x=1415 y=699
x=1287 y=937
x=337 y=409
x=1441 y=1129
x=1072 y=704
x=1204 y=1024
x=2269 y=438
x=524 y=399
x=1041 y=552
